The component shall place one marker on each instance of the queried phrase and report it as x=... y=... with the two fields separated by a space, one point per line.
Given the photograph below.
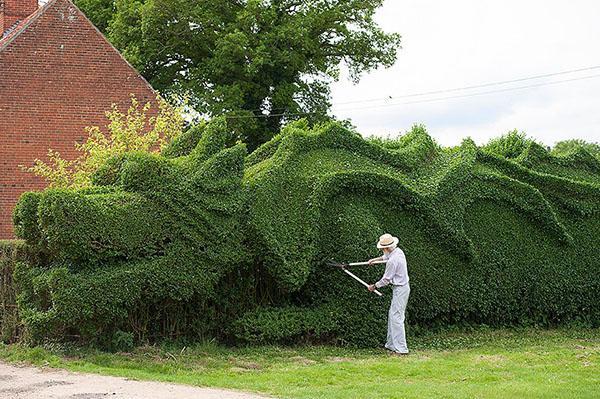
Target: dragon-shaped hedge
x=207 y=241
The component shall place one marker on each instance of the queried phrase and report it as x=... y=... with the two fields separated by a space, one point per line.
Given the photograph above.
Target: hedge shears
x=344 y=266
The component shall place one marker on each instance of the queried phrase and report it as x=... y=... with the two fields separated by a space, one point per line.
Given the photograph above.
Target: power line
x=475 y=94
x=422 y=101
x=477 y=86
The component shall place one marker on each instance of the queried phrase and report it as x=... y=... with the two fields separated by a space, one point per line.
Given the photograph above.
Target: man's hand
x=372 y=287
x=372 y=261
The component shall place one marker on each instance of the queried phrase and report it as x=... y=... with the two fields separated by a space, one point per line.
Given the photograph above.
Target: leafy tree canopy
x=98 y=11
x=247 y=58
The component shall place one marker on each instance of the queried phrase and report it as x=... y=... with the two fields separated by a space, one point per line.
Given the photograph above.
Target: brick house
x=58 y=74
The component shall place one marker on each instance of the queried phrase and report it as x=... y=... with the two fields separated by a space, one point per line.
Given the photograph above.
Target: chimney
x=12 y=11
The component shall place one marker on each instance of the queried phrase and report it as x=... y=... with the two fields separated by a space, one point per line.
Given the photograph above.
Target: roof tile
x=19 y=26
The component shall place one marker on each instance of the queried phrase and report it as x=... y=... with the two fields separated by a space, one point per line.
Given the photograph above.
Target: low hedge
x=206 y=241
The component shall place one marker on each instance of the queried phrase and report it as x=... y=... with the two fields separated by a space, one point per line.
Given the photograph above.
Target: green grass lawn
x=481 y=364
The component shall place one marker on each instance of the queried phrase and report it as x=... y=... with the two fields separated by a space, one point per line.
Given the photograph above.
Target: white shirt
x=396 y=271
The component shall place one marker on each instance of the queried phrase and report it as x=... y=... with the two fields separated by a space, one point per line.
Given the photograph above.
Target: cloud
x=463 y=42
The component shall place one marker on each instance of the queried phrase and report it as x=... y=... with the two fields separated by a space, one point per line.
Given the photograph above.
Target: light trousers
x=396 y=337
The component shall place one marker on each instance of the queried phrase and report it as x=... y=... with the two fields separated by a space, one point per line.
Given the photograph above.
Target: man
x=396 y=274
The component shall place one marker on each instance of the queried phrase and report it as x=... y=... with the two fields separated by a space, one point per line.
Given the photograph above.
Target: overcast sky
x=449 y=44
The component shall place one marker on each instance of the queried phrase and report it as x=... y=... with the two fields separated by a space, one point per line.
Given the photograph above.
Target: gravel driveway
x=18 y=382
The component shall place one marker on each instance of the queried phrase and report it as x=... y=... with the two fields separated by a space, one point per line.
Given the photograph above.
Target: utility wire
x=473 y=94
x=421 y=101
x=477 y=86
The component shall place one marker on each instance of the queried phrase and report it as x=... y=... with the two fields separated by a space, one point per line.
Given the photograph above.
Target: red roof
x=16 y=29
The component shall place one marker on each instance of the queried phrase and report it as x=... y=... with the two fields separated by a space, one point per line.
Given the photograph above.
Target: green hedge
x=141 y=254
x=206 y=241
x=486 y=237
x=11 y=252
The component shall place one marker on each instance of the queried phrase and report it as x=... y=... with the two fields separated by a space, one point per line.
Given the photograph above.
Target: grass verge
x=528 y=363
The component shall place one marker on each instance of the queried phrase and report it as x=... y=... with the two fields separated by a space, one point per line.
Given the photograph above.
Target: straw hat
x=387 y=241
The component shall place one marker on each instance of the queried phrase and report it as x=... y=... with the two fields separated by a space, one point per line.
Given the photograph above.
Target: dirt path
x=34 y=383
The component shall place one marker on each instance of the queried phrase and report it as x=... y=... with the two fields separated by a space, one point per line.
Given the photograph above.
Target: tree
x=98 y=11
x=260 y=62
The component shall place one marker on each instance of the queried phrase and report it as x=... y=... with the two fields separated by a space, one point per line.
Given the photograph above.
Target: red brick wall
x=57 y=77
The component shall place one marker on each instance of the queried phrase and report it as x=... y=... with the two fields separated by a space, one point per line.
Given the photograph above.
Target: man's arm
x=372 y=261
x=390 y=269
